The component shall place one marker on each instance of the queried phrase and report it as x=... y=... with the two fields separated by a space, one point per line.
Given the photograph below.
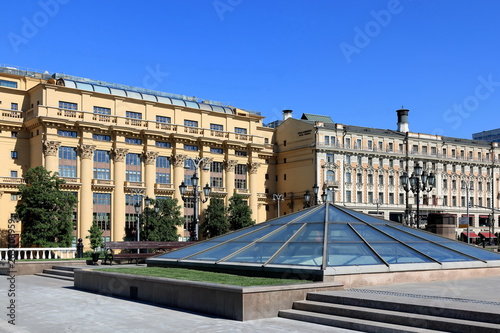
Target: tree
x=95 y=236
x=240 y=215
x=216 y=222
x=161 y=226
x=45 y=211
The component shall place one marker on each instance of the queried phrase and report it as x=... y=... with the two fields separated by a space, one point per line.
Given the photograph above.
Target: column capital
x=86 y=151
x=50 y=148
x=207 y=161
x=150 y=157
x=253 y=167
x=178 y=160
x=230 y=164
x=118 y=154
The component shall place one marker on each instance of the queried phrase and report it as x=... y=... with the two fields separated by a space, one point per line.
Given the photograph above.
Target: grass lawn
x=202 y=276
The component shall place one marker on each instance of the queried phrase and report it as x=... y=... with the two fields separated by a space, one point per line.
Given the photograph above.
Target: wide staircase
x=381 y=311
x=59 y=272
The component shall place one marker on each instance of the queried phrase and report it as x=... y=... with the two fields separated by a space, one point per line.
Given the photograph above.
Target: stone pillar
x=50 y=149
x=86 y=200
x=252 y=170
x=118 y=218
x=229 y=166
x=204 y=180
x=150 y=172
x=178 y=162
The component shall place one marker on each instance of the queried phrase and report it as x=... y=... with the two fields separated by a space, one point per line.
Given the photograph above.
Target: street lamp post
x=419 y=181
x=278 y=197
x=307 y=196
x=138 y=193
x=467 y=185
x=196 y=196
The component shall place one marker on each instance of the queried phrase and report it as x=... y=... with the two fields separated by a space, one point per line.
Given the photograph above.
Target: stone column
x=204 y=180
x=86 y=200
x=178 y=163
x=229 y=166
x=252 y=170
x=50 y=149
x=150 y=172
x=118 y=218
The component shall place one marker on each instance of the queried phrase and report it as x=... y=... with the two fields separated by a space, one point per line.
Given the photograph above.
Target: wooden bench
x=131 y=250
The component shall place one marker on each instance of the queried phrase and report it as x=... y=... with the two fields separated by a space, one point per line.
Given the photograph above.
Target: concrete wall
x=233 y=302
x=30 y=268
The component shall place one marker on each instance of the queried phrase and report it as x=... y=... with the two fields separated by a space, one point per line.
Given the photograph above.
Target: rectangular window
x=348 y=143
x=359 y=197
x=370 y=178
x=190 y=123
x=69 y=134
x=100 y=110
x=162 y=119
x=401 y=198
x=358 y=144
x=216 y=150
x=348 y=177
x=216 y=127
x=14 y=106
x=359 y=178
x=347 y=196
x=68 y=105
x=240 y=130
x=370 y=197
x=327 y=140
x=102 y=165
x=133 y=115
x=133 y=141
x=163 y=170
x=13 y=174
x=13 y=197
x=381 y=179
x=240 y=153
x=162 y=144
x=240 y=175
x=133 y=168
x=329 y=157
x=8 y=84
x=348 y=159
x=101 y=137
x=370 y=144
x=191 y=147
x=391 y=198
x=216 y=169
x=13 y=134
x=67 y=162
x=13 y=154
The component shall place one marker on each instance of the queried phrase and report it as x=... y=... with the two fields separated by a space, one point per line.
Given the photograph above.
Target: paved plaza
x=52 y=305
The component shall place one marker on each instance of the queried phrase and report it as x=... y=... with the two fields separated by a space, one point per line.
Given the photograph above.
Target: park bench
x=131 y=250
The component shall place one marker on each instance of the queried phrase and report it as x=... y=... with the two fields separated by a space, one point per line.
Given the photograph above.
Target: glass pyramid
x=333 y=240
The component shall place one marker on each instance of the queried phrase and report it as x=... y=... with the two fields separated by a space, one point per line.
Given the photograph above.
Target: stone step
x=436 y=306
x=59 y=272
x=66 y=268
x=398 y=318
x=347 y=322
x=53 y=276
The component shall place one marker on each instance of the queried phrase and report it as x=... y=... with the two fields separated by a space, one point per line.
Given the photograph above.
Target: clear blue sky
x=356 y=61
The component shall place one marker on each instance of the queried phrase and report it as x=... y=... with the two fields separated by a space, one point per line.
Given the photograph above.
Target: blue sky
x=356 y=61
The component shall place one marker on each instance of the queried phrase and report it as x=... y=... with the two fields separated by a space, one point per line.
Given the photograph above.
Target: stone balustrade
x=34 y=253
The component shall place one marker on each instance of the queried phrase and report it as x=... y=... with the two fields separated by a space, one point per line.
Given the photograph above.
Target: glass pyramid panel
x=287 y=218
x=189 y=250
x=437 y=252
x=284 y=234
x=219 y=252
x=397 y=253
x=237 y=233
x=316 y=216
x=371 y=234
x=473 y=251
x=350 y=254
x=300 y=253
x=398 y=234
x=313 y=232
x=368 y=218
x=260 y=253
x=341 y=233
x=259 y=233
x=336 y=215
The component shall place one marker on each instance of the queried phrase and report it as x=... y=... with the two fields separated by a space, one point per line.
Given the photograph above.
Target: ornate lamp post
x=278 y=197
x=419 y=181
x=196 y=196
x=467 y=186
x=307 y=196
x=138 y=204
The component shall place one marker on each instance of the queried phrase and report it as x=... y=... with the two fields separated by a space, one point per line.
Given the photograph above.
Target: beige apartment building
x=360 y=168
x=112 y=142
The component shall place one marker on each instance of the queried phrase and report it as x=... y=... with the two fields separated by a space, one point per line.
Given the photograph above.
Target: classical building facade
x=111 y=142
x=360 y=167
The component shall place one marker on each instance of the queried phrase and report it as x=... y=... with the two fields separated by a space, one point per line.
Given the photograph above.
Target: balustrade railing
x=36 y=253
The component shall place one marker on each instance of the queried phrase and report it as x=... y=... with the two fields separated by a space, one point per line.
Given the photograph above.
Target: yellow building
x=360 y=167
x=110 y=142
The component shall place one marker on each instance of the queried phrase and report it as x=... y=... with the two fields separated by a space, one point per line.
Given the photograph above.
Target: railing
x=11 y=114
x=242 y=191
x=11 y=180
x=164 y=186
x=34 y=253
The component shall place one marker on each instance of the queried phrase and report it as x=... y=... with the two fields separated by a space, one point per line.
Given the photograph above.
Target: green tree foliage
x=240 y=214
x=161 y=226
x=95 y=236
x=216 y=222
x=46 y=212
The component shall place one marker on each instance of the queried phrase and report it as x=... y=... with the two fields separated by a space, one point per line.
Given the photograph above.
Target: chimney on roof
x=287 y=114
x=403 y=120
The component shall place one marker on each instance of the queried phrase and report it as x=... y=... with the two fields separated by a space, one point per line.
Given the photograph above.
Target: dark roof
x=316 y=117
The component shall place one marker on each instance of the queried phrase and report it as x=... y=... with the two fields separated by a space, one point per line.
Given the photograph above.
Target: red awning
x=472 y=234
x=487 y=234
